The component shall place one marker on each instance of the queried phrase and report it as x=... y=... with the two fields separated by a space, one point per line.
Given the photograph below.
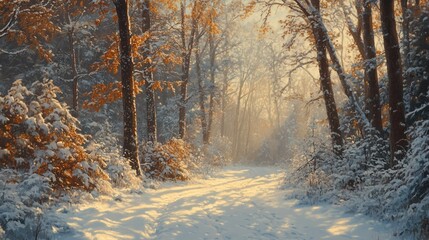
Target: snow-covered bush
x=24 y=200
x=399 y=194
x=216 y=154
x=417 y=72
x=169 y=161
x=362 y=180
x=362 y=158
x=105 y=144
x=168 y=112
x=39 y=135
x=310 y=171
x=206 y=159
x=312 y=175
x=408 y=194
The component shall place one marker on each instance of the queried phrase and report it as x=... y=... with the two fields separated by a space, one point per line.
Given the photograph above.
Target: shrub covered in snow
x=207 y=157
x=105 y=144
x=169 y=161
x=312 y=174
x=43 y=156
x=39 y=135
x=408 y=194
x=362 y=181
x=24 y=199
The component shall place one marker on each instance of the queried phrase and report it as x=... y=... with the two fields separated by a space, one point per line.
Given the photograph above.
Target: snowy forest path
x=237 y=203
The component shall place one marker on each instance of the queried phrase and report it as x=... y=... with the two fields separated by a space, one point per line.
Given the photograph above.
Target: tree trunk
x=73 y=59
x=212 y=57
x=237 y=119
x=75 y=77
x=367 y=51
x=151 y=113
x=398 y=139
x=406 y=18
x=201 y=93
x=186 y=61
x=241 y=124
x=372 y=98
x=328 y=96
x=249 y=122
x=326 y=87
x=223 y=102
x=128 y=97
x=355 y=31
x=185 y=77
x=182 y=106
x=225 y=78
x=270 y=106
x=148 y=76
x=317 y=22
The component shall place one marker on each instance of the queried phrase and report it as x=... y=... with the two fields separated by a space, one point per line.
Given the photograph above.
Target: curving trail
x=238 y=203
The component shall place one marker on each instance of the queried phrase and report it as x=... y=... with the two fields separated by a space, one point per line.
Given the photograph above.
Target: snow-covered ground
x=237 y=203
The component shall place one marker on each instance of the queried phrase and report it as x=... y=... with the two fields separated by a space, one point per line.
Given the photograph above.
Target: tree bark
x=326 y=86
x=328 y=96
x=73 y=65
x=240 y=124
x=249 y=122
x=398 y=139
x=187 y=48
x=182 y=108
x=148 y=76
x=73 y=58
x=223 y=101
x=237 y=120
x=225 y=74
x=311 y=11
x=372 y=98
x=367 y=51
x=185 y=76
x=355 y=31
x=201 y=93
x=130 y=147
x=406 y=18
x=212 y=56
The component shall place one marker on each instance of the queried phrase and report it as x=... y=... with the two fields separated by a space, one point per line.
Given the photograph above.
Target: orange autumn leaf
x=156 y=86
x=102 y=94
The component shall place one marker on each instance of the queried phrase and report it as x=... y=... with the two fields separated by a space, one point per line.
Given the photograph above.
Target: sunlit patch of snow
x=239 y=203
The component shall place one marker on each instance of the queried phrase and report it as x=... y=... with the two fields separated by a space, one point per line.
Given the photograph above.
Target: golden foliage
x=102 y=94
x=167 y=161
x=40 y=136
x=264 y=30
x=156 y=86
x=110 y=60
x=249 y=9
x=31 y=24
x=170 y=87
